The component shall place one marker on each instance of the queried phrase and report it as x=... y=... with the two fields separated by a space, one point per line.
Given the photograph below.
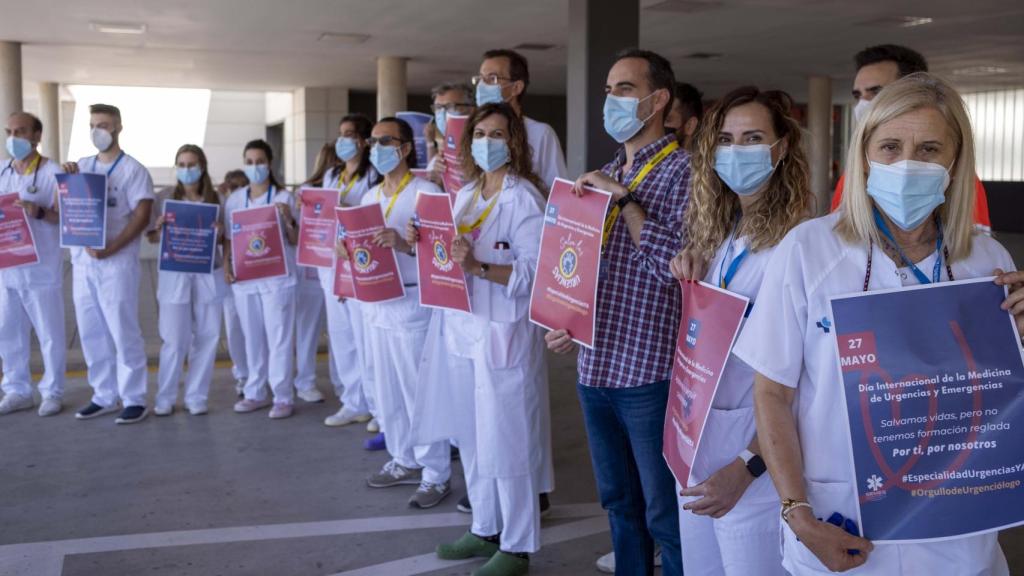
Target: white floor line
x=424 y=563
x=46 y=558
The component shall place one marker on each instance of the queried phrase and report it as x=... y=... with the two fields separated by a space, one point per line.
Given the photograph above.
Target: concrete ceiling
x=273 y=45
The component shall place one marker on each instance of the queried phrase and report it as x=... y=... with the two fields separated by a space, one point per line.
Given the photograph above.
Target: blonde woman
x=749 y=188
x=906 y=219
x=190 y=304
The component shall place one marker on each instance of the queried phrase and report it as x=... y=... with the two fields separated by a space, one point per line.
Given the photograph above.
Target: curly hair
x=713 y=207
x=520 y=158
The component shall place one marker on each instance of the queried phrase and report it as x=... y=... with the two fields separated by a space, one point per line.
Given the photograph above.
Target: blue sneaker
x=374 y=444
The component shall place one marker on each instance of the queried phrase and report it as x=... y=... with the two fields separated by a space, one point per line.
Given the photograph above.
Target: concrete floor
x=233 y=495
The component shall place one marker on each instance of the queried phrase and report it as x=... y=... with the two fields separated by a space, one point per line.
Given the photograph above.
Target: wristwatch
x=484 y=267
x=755 y=464
x=631 y=197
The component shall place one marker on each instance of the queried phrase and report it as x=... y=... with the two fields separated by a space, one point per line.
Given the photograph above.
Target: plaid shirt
x=638 y=303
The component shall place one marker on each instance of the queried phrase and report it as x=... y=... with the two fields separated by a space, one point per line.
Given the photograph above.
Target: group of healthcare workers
x=427 y=379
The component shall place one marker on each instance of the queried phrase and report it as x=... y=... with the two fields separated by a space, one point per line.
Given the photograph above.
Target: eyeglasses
x=385 y=141
x=489 y=79
x=451 y=106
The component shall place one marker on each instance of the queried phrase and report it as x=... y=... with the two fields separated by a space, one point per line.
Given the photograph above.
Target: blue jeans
x=625 y=427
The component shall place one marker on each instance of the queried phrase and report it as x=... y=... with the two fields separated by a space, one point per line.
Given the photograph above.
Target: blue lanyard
x=936 y=271
x=734 y=264
x=270 y=195
x=112 y=166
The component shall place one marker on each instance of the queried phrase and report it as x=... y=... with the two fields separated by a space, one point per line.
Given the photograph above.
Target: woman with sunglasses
x=398 y=328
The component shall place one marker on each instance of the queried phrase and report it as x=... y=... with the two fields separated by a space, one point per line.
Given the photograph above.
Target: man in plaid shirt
x=624 y=381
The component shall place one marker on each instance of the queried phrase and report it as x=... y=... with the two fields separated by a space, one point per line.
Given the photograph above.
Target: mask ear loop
x=653 y=112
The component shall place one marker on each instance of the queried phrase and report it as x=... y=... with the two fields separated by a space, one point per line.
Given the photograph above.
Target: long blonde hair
x=914 y=92
x=786 y=201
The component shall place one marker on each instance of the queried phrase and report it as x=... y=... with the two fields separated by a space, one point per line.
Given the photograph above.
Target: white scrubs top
x=49 y=270
x=353 y=198
x=238 y=201
x=783 y=342
x=548 y=159
x=730 y=425
x=128 y=184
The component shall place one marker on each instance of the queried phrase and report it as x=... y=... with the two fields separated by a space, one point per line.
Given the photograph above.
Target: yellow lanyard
x=463 y=229
x=348 y=186
x=609 y=222
x=401 y=186
x=33 y=166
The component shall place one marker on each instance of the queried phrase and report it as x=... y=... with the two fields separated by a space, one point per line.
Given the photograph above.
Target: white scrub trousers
x=396 y=360
x=268 y=324
x=107 y=311
x=743 y=542
x=508 y=506
x=347 y=337
x=236 y=340
x=192 y=330
x=309 y=323
x=42 y=310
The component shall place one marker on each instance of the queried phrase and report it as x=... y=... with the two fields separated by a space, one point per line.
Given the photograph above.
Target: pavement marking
x=47 y=558
x=430 y=562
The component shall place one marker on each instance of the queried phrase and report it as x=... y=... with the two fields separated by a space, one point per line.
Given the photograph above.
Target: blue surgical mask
x=441 y=120
x=257 y=173
x=620 y=120
x=384 y=158
x=490 y=153
x=488 y=94
x=908 y=191
x=189 y=175
x=346 y=148
x=744 y=169
x=18 y=148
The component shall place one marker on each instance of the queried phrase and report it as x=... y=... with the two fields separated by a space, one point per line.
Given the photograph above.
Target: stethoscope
x=32 y=189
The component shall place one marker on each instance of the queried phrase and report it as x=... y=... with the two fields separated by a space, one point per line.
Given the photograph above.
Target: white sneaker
x=606 y=563
x=197 y=409
x=50 y=407
x=345 y=417
x=373 y=426
x=15 y=402
x=163 y=409
x=312 y=395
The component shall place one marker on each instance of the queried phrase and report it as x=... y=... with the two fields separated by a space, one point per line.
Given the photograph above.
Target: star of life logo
x=874 y=484
x=566 y=273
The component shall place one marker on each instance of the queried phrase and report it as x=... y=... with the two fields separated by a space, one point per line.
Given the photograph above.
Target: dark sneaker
x=464 y=506
x=545 y=505
x=505 y=564
x=456 y=455
x=429 y=495
x=93 y=410
x=375 y=444
x=132 y=414
x=469 y=545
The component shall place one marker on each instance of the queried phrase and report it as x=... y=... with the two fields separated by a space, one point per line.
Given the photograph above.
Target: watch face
x=756 y=466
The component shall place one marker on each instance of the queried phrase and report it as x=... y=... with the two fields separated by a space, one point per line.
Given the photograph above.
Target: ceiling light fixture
x=343 y=38
x=980 y=71
x=912 y=21
x=127 y=28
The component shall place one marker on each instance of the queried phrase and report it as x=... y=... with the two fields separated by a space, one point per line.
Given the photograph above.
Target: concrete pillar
x=598 y=29
x=10 y=79
x=391 y=88
x=49 y=113
x=819 y=124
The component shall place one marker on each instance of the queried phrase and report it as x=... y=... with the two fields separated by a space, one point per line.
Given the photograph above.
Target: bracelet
x=788 y=505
